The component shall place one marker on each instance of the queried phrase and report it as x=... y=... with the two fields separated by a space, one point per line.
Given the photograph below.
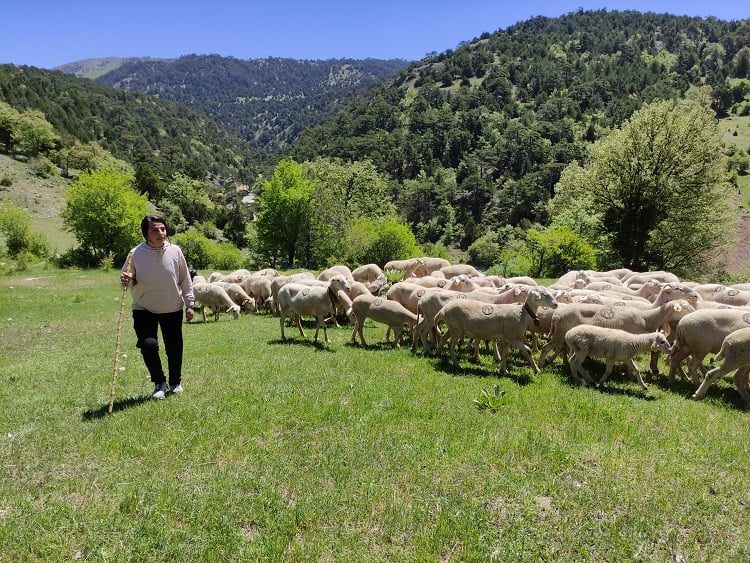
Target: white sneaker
x=176 y=389
x=160 y=391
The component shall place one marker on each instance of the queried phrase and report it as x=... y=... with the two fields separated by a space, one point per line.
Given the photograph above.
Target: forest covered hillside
x=475 y=139
x=268 y=102
x=132 y=126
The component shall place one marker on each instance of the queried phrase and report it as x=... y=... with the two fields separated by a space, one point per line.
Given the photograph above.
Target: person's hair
x=148 y=219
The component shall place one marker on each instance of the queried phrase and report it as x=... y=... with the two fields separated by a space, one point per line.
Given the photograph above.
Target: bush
x=15 y=224
x=557 y=250
x=195 y=247
x=484 y=251
x=6 y=182
x=225 y=256
x=514 y=259
x=43 y=167
x=378 y=241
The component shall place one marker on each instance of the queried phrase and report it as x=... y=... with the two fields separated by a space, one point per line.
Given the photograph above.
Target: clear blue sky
x=48 y=33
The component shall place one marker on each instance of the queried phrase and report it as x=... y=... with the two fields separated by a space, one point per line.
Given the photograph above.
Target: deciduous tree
x=654 y=190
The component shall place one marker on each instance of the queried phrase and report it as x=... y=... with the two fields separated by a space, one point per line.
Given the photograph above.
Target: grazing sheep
x=613 y=345
x=314 y=301
x=259 y=288
x=402 y=292
x=215 y=298
x=701 y=333
x=410 y=267
x=735 y=351
x=384 y=311
x=483 y=321
x=238 y=295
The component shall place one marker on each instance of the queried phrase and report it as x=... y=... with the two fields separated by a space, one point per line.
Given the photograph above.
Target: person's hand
x=189 y=312
x=125 y=278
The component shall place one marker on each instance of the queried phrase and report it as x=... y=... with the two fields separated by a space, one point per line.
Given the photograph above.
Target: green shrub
x=484 y=251
x=195 y=247
x=5 y=181
x=43 y=167
x=15 y=224
x=225 y=256
x=436 y=250
x=378 y=241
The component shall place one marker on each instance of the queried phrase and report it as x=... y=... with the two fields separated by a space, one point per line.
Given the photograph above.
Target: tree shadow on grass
x=118 y=405
x=319 y=346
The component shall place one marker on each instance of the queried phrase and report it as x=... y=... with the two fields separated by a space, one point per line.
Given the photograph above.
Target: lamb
x=636 y=321
x=701 y=333
x=238 y=295
x=484 y=321
x=735 y=351
x=315 y=301
x=215 y=298
x=383 y=311
x=613 y=345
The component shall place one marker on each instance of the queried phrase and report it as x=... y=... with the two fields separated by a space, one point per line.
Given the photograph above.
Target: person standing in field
x=158 y=274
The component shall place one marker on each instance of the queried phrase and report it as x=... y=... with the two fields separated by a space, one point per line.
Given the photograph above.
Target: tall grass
x=294 y=451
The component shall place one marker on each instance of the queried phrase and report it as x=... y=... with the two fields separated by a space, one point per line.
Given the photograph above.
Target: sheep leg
x=282 y=318
x=397 y=336
x=633 y=369
x=655 y=362
x=441 y=343
x=607 y=371
x=741 y=382
x=575 y=361
x=711 y=376
x=503 y=356
x=694 y=365
x=526 y=352
x=453 y=352
x=678 y=355
x=361 y=333
x=299 y=326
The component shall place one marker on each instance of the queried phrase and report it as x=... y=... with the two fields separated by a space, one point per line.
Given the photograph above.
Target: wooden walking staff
x=116 y=366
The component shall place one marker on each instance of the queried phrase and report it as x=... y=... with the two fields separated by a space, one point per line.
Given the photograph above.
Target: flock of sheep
x=614 y=316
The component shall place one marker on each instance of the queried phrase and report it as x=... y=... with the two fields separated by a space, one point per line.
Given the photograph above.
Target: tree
x=33 y=133
x=285 y=213
x=9 y=117
x=557 y=250
x=104 y=212
x=191 y=197
x=655 y=190
x=379 y=241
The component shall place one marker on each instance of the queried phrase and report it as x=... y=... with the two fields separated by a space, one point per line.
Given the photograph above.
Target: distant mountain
x=130 y=125
x=268 y=102
x=94 y=68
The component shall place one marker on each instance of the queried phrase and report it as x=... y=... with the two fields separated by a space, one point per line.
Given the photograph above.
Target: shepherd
x=160 y=283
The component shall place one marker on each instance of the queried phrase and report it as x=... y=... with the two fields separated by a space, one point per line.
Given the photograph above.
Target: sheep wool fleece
x=161 y=279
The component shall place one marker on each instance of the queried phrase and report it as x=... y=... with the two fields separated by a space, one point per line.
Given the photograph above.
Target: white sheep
x=238 y=295
x=338 y=270
x=458 y=269
x=735 y=351
x=483 y=321
x=314 y=301
x=612 y=345
x=215 y=298
x=701 y=333
x=385 y=311
x=630 y=319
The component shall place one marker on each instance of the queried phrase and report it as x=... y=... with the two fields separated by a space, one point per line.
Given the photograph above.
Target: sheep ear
x=677 y=308
x=665 y=329
x=517 y=291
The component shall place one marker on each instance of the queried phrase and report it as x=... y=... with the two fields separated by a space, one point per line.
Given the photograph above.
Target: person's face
x=156 y=234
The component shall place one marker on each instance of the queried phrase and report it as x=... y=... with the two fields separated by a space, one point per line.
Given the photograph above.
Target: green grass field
x=298 y=452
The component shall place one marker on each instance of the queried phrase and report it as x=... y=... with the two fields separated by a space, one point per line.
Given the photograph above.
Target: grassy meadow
x=299 y=452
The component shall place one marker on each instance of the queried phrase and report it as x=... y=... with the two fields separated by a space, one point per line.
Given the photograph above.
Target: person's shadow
x=118 y=405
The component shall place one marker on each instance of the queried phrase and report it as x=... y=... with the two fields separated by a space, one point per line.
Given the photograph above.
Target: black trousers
x=146 y=325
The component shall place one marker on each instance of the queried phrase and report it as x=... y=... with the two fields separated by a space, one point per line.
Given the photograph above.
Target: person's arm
x=127 y=274
x=186 y=287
